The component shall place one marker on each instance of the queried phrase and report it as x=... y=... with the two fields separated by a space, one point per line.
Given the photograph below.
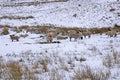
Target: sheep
x=111 y=33
x=13 y=37
x=71 y=31
x=61 y=37
x=54 y=33
x=87 y=33
x=23 y=35
x=49 y=37
x=75 y=35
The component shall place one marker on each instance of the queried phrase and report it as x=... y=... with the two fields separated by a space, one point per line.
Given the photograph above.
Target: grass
x=16 y=17
x=86 y=73
x=82 y=59
x=24 y=27
x=64 y=67
x=44 y=62
x=15 y=70
x=5 y=31
x=56 y=75
x=110 y=60
x=35 y=3
x=64 y=30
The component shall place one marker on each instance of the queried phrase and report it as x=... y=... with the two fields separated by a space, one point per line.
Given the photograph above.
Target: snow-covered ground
x=73 y=13
x=63 y=55
x=94 y=58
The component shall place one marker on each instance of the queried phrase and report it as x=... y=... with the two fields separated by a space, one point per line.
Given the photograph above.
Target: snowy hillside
x=71 y=13
x=38 y=43
x=94 y=58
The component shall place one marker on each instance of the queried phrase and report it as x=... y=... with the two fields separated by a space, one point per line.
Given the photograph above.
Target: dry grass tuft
x=5 y=31
x=15 y=70
x=56 y=75
x=16 y=17
x=24 y=27
x=110 y=60
x=64 y=67
x=86 y=73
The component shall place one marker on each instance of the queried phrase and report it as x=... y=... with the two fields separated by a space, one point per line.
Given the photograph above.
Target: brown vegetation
x=5 y=31
x=63 y=30
x=88 y=74
x=16 y=17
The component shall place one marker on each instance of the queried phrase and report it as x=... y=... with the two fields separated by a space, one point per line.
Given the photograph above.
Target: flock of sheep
x=71 y=34
x=76 y=35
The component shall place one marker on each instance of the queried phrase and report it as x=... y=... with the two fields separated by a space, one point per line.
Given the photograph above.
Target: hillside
x=59 y=40
x=71 y=13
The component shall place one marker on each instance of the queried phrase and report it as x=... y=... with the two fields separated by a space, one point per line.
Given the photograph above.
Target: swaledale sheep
x=13 y=37
x=87 y=33
x=111 y=33
x=75 y=35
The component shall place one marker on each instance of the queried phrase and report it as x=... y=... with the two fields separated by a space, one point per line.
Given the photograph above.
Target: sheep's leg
x=12 y=40
x=50 y=41
x=75 y=39
x=88 y=36
x=70 y=38
x=47 y=40
x=17 y=39
x=115 y=35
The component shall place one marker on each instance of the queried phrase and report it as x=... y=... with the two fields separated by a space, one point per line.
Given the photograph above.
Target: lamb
x=75 y=35
x=13 y=37
x=111 y=33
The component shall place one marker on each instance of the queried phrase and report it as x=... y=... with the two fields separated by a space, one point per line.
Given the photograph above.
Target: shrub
x=64 y=66
x=86 y=73
x=74 y=15
x=98 y=30
x=82 y=59
x=111 y=60
x=112 y=9
x=24 y=27
x=15 y=70
x=56 y=75
x=5 y=31
x=107 y=61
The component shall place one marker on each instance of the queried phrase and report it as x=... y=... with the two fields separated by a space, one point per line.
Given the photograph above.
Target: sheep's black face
x=81 y=37
x=66 y=37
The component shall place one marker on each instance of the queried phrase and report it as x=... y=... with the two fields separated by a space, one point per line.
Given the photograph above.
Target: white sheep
x=86 y=33
x=75 y=35
x=49 y=37
x=111 y=33
x=61 y=37
x=54 y=33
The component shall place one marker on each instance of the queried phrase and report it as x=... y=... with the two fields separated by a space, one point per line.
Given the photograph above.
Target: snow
x=89 y=13
x=64 y=58
x=93 y=49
